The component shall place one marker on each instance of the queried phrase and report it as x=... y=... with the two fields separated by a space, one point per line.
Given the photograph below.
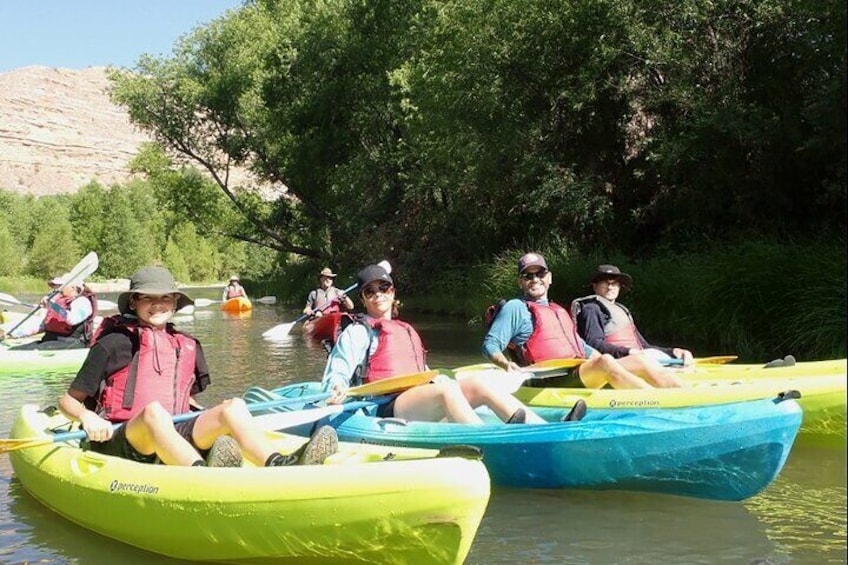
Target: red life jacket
x=554 y=335
x=399 y=350
x=55 y=324
x=234 y=291
x=162 y=370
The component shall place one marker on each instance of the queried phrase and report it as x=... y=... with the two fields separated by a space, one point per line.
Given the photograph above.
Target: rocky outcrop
x=59 y=130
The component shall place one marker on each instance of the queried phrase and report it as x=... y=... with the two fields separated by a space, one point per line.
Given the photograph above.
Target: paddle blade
x=552 y=364
x=9 y=445
x=203 y=302
x=393 y=384
x=280 y=331
x=267 y=300
x=84 y=269
x=8 y=298
x=107 y=305
x=716 y=360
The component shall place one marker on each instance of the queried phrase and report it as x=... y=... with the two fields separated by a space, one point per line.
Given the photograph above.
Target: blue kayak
x=723 y=452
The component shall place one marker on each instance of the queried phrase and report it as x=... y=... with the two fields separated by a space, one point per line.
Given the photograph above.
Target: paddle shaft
x=83 y=269
x=80 y=434
x=283 y=420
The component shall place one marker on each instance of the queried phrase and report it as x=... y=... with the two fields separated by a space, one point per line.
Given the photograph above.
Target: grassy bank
x=757 y=300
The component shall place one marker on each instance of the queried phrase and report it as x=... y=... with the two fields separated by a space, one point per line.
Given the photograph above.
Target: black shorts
x=118 y=445
x=386 y=410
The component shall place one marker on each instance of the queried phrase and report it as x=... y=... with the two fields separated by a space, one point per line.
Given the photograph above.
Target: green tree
x=11 y=254
x=87 y=213
x=125 y=245
x=175 y=261
x=54 y=250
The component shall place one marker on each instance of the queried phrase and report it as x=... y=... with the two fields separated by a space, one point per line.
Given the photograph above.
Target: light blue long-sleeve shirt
x=349 y=352
x=514 y=324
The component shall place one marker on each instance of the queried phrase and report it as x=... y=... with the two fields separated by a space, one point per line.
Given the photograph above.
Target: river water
x=800 y=518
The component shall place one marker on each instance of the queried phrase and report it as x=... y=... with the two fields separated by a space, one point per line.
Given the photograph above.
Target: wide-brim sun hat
x=604 y=272
x=156 y=281
x=327 y=272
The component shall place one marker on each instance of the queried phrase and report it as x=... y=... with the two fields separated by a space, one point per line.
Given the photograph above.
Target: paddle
x=393 y=384
x=9 y=299
x=715 y=360
x=267 y=300
x=283 y=420
x=79 y=273
x=281 y=331
x=511 y=381
x=7 y=445
x=106 y=305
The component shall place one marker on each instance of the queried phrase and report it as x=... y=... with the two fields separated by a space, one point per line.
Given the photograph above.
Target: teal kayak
x=723 y=452
x=24 y=362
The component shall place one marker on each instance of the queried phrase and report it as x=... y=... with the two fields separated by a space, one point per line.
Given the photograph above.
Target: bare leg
x=650 y=370
x=434 y=402
x=479 y=393
x=232 y=417
x=599 y=371
x=152 y=431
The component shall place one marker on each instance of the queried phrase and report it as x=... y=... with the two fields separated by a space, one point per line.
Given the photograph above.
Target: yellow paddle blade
x=476 y=367
x=393 y=384
x=715 y=360
x=8 y=445
x=552 y=364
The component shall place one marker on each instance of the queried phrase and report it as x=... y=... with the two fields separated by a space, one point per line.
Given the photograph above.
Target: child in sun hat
x=142 y=371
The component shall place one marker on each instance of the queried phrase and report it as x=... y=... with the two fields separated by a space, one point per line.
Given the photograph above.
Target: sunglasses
x=372 y=290
x=540 y=274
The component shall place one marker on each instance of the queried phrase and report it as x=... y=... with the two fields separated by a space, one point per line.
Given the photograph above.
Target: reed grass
x=758 y=300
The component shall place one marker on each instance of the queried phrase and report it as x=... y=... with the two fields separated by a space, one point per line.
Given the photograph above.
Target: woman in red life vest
x=379 y=346
x=233 y=289
x=608 y=326
x=143 y=371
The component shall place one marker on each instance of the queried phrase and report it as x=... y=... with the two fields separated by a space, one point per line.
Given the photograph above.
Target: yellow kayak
x=707 y=371
x=823 y=397
x=356 y=507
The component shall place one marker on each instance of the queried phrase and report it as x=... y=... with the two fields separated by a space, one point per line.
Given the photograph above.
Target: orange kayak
x=237 y=304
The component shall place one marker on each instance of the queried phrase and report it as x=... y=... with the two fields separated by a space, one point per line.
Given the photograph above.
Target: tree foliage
x=444 y=132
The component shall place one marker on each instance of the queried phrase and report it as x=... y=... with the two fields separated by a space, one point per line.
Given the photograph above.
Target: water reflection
x=537 y=526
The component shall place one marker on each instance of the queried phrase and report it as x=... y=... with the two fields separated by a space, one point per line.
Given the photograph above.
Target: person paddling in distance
x=608 y=326
x=142 y=371
x=326 y=299
x=376 y=345
x=233 y=289
x=68 y=322
x=533 y=329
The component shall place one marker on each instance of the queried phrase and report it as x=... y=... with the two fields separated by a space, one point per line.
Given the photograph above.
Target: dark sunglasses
x=540 y=274
x=382 y=288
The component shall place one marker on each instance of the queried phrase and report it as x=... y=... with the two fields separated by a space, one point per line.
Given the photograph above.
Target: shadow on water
x=536 y=526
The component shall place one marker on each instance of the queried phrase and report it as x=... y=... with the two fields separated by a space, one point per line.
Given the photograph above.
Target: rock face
x=59 y=130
